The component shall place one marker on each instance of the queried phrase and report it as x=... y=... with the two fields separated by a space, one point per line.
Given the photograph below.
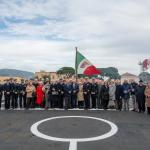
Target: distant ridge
x=16 y=73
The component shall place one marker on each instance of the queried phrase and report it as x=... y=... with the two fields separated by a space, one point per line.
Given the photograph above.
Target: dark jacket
x=1 y=89
x=67 y=90
x=75 y=89
x=126 y=90
x=87 y=88
x=140 y=93
x=119 y=92
x=94 y=89
x=7 y=88
x=105 y=92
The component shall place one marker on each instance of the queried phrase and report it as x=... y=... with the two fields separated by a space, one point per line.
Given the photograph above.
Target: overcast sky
x=42 y=34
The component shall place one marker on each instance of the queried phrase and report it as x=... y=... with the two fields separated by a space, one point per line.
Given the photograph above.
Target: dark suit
x=54 y=95
x=75 y=90
x=67 y=95
x=119 y=95
x=140 y=97
x=94 y=93
x=14 y=90
x=105 y=96
x=86 y=93
x=22 y=94
x=7 y=93
x=60 y=87
x=1 y=94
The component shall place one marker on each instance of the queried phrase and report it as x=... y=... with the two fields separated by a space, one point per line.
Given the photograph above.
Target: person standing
x=112 y=96
x=7 y=94
x=15 y=89
x=86 y=92
x=30 y=89
x=147 y=94
x=94 y=92
x=1 y=94
x=45 y=90
x=126 y=95
x=105 y=95
x=60 y=93
x=80 y=96
x=99 y=101
x=22 y=94
x=119 y=94
x=40 y=95
x=54 y=95
x=133 y=95
x=67 y=94
x=140 y=96
x=75 y=90
x=35 y=84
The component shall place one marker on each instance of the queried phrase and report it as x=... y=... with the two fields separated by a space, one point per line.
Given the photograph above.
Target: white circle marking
x=113 y=131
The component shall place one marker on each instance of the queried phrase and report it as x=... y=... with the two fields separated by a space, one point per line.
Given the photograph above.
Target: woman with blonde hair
x=30 y=90
x=147 y=94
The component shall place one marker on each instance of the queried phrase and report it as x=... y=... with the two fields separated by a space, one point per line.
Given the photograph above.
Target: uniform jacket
x=7 y=88
x=87 y=88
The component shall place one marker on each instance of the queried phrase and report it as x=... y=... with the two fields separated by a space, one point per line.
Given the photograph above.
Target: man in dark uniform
x=7 y=94
x=140 y=96
x=22 y=94
x=75 y=90
x=60 y=93
x=14 y=87
x=1 y=94
x=54 y=95
x=119 y=95
x=94 y=92
x=86 y=93
x=67 y=94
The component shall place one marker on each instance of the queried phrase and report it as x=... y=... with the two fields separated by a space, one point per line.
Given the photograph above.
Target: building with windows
x=128 y=76
x=53 y=76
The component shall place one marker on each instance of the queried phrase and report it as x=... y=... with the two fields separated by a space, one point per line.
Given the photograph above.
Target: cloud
x=109 y=33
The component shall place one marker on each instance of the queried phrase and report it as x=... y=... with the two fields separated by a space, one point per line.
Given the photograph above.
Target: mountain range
x=16 y=73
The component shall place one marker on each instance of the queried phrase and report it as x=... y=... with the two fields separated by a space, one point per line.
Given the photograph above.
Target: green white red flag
x=84 y=66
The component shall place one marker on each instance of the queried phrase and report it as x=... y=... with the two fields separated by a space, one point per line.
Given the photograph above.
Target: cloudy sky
x=42 y=34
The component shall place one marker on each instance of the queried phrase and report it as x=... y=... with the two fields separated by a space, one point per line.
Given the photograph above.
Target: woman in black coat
x=119 y=94
x=105 y=95
x=140 y=96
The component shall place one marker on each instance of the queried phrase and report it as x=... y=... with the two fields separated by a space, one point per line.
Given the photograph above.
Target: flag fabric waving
x=146 y=64
x=84 y=66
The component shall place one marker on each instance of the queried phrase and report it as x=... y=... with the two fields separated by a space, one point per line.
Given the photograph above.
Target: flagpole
x=76 y=70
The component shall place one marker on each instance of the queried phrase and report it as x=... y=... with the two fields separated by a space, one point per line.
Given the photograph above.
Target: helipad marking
x=73 y=142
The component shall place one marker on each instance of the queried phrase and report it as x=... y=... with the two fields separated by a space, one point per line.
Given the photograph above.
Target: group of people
x=83 y=93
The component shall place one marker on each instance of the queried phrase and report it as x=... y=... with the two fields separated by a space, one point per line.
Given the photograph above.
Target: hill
x=16 y=73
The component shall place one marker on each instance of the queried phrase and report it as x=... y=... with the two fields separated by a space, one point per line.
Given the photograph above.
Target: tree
x=68 y=71
x=110 y=72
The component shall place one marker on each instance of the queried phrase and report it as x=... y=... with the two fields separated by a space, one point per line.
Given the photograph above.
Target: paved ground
x=133 y=133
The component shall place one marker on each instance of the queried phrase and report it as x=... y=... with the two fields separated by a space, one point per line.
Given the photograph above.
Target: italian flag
x=84 y=66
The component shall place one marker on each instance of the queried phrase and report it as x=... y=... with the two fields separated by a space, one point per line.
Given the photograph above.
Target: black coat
x=140 y=96
x=104 y=93
x=119 y=92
